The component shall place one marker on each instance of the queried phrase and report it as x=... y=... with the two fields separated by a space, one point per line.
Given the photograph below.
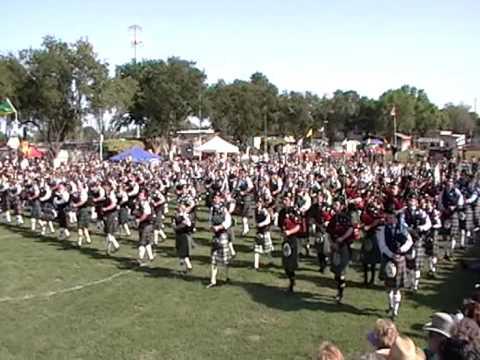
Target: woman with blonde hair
x=382 y=338
x=328 y=351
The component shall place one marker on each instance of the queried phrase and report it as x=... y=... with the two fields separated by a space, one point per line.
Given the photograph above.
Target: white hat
x=442 y=323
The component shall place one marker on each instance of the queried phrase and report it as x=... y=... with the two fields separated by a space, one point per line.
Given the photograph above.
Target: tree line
x=59 y=85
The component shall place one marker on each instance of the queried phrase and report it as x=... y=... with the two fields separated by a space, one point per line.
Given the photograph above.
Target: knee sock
x=149 y=252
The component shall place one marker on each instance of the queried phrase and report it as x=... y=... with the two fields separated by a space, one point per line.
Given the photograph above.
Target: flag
x=394 y=111
x=309 y=133
x=6 y=107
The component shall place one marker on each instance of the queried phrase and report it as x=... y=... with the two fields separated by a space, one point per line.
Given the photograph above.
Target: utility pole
x=135 y=43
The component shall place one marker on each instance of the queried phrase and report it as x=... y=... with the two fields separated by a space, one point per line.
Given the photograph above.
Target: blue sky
x=321 y=46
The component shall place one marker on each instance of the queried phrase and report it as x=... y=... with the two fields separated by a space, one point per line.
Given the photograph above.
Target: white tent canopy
x=217 y=145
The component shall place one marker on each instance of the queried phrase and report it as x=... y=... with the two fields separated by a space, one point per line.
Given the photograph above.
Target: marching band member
x=110 y=216
x=144 y=219
x=340 y=229
x=263 y=240
x=82 y=204
x=290 y=225
x=182 y=225
x=220 y=221
x=394 y=242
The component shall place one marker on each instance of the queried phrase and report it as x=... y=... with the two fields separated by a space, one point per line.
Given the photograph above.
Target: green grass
x=153 y=313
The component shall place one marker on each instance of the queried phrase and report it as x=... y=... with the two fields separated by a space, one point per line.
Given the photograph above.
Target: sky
x=302 y=45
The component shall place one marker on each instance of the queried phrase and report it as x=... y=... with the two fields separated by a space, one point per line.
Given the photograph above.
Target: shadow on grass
x=444 y=293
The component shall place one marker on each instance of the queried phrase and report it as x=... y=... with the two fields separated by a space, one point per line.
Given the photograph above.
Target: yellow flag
x=309 y=133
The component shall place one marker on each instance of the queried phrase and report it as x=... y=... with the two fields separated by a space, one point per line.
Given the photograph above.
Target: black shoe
x=339 y=299
x=322 y=269
x=228 y=281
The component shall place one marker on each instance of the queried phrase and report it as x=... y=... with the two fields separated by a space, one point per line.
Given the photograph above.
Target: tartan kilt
x=430 y=243
x=84 y=217
x=159 y=217
x=263 y=243
x=476 y=214
x=221 y=254
x=182 y=244
x=451 y=225
x=48 y=212
x=62 y=218
x=469 y=221
x=111 y=222
x=290 y=253
x=35 y=209
x=339 y=260
x=231 y=233
x=244 y=206
x=16 y=206
x=5 y=202
x=123 y=215
x=370 y=252
x=417 y=262
x=146 y=234
x=398 y=281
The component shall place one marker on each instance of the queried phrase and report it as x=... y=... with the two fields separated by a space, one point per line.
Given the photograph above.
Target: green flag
x=6 y=107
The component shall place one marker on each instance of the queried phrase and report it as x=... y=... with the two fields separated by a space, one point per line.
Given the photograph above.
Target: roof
x=136 y=154
x=196 y=132
x=217 y=145
x=403 y=136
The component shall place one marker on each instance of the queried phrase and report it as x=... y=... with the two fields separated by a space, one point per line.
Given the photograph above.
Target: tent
x=217 y=145
x=34 y=153
x=136 y=154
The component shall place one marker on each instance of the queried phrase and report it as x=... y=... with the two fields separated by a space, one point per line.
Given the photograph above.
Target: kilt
x=123 y=215
x=451 y=225
x=5 y=201
x=263 y=243
x=221 y=254
x=290 y=254
x=83 y=217
x=340 y=258
x=244 y=206
x=370 y=252
x=469 y=214
x=16 y=205
x=62 y=218
x=416 y=263
x=322 y=243
x=398 y=281
x=159 y=217
x=182 y=245
x=111 y=222
x=48 y=212
x=35 y=209
x=145 y=231
x=430 y=243
x=476 y=213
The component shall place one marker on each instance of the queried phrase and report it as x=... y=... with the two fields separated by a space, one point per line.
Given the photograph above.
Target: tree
x=459 y=118
x=58 y=89
x=168 y=92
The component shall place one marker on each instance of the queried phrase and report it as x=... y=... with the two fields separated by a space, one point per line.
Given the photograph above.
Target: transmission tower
x=136 y=29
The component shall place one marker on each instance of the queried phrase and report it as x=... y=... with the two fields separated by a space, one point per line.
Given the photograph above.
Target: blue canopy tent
x=136 y=154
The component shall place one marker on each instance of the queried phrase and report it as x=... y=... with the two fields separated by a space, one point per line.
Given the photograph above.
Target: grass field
x=61 y=302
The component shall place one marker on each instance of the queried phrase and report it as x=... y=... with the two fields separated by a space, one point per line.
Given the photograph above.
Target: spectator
x=328 y=351
x=382 y=339
x=439 y=329
x=404 y=349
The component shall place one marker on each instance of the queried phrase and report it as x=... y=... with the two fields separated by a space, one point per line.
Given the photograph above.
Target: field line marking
x=63 y=291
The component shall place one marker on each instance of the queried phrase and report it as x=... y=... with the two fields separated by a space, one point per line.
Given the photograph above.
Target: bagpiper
x=340 y=229
x=394 y=242
x=220 y=222
x=290 y=224
x=263 y=240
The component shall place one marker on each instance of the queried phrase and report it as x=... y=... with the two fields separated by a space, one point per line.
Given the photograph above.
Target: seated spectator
x=328 y=351
x=439 y=329
x=382 y=338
